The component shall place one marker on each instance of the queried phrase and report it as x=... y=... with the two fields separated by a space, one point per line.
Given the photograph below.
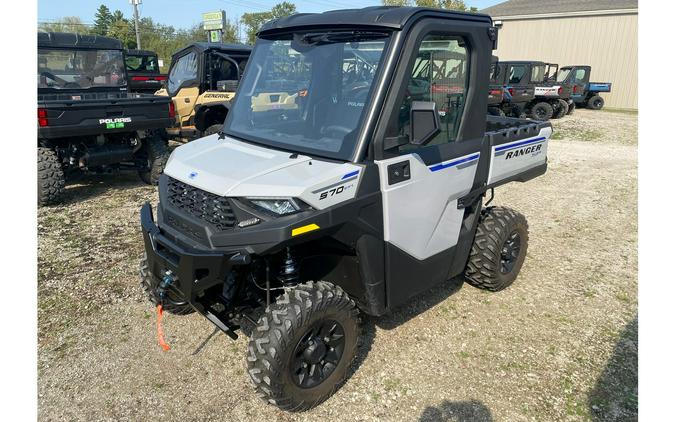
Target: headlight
x=279 y=206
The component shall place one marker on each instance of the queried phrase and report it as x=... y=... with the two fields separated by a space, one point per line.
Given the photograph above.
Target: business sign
x=213 y=21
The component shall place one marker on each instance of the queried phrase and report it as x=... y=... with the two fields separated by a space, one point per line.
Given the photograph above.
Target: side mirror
x=424 y=122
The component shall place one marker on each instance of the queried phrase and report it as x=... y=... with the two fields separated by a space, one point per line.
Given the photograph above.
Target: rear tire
x=212 y=129
x=596 y=102
x=149 y=283
x=541 y=111
x=155 y=151
x=303 y=346
x=562 y=109
x=498 y=250
x=50 y=180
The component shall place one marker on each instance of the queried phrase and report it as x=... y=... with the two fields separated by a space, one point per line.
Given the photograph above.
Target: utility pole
x=138 y=34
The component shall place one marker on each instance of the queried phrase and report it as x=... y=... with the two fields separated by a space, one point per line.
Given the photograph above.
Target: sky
x=186 y=13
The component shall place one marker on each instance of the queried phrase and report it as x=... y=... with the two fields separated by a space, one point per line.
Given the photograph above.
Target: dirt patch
x=560 y=344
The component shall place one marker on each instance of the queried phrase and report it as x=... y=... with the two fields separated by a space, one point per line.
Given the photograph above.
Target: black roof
x=141 y=53
x=388 y=17
x=68 y=40
x=226 y=48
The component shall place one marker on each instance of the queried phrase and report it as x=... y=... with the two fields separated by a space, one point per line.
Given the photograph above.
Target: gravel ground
x=560 y=344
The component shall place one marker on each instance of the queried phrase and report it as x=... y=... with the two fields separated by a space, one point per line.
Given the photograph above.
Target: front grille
x=206 y=206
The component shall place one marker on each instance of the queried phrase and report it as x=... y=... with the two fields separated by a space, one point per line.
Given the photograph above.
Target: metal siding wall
x=607 y=43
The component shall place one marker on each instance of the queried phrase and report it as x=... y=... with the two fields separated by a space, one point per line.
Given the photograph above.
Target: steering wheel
x=54 y=78
x=337 y=129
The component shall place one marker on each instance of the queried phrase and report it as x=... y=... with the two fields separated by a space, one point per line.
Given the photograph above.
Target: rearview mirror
x=424 y=122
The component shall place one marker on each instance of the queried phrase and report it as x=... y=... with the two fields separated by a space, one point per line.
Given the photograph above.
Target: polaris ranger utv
x=143 y=71
x=354 y=200
x=87 y=121
x=532 y=91
x=584 y=93
x=202 y=81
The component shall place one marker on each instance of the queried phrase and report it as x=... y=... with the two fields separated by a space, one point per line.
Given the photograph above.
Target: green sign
x=213 y=20
x=214 y=36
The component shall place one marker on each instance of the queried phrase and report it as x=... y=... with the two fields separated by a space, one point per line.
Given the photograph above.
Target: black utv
x=531 y=90
x=143 y=71
x=87 y=120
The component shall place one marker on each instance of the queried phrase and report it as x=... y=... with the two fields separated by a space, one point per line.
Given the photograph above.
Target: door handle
x=398 y=172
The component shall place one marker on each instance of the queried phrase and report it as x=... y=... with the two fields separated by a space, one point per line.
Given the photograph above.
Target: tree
x=253 y=21
x=66 y=24
x=438 y=4
x=122 y=29
x=102 y=20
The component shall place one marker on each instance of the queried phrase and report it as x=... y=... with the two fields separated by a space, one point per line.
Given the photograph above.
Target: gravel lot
x=560 y=344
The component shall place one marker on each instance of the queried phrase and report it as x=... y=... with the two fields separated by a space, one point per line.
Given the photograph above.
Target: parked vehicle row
x=87 y=118
x=540 y=90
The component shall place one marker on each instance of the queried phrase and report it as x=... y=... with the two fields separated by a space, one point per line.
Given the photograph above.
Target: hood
x=228 y=167
x=220 y=165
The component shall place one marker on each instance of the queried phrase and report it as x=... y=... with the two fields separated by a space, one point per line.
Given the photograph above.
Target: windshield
x=80 y=69
x=562 y=75
x=308 y=94
x=142 y=63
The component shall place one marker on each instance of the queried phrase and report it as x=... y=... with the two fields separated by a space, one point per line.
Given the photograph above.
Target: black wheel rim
x=597 y=103
x=540 y=113
x=317 y=354
x=510 y=252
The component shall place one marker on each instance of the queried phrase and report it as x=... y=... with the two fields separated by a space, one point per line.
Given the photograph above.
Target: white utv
x=337 y=188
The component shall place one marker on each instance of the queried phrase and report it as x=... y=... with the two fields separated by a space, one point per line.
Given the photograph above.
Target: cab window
x=440 y=75
x=580 y=74
x=516 y=74
x=183 y=72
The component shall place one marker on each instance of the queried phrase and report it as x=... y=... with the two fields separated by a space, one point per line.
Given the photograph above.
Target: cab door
x=579 y=77
x=518 y=83
x=422 y=183
x=183 y=85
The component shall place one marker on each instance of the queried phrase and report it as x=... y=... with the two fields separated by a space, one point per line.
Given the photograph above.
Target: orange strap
x=160 y=331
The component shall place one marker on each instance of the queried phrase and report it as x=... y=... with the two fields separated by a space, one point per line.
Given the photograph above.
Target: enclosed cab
x=349 y=176
x=532 y=91
x=143 y=71
x=202 y=81
x=87 y=119
x=584 y=92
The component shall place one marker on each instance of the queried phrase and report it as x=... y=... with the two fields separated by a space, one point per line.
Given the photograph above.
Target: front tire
x=572 y=107
x=212 y=129
x=172 y=303
x=303 y=346
x=155 y=153
x=596 y=102
x=498 y=250
x=50 y=180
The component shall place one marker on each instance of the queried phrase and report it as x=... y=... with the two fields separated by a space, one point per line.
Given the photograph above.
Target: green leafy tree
x=438 y=4
x=102 y=20
x=66 y=24
x=253 y=21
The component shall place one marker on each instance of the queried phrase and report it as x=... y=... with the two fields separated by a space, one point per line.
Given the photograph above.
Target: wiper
x=345 y=36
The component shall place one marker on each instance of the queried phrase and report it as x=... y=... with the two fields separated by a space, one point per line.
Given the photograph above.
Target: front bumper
x=194 y=270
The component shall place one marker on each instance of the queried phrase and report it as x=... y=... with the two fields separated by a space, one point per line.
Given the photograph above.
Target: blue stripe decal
x=520 y=144
x=454 y=163
x=348 y=175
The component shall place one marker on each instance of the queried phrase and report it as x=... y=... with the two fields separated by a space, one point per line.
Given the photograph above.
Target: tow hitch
x=167 y=281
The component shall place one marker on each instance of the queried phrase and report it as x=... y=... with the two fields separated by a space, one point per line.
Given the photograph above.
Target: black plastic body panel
x=81 y=117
